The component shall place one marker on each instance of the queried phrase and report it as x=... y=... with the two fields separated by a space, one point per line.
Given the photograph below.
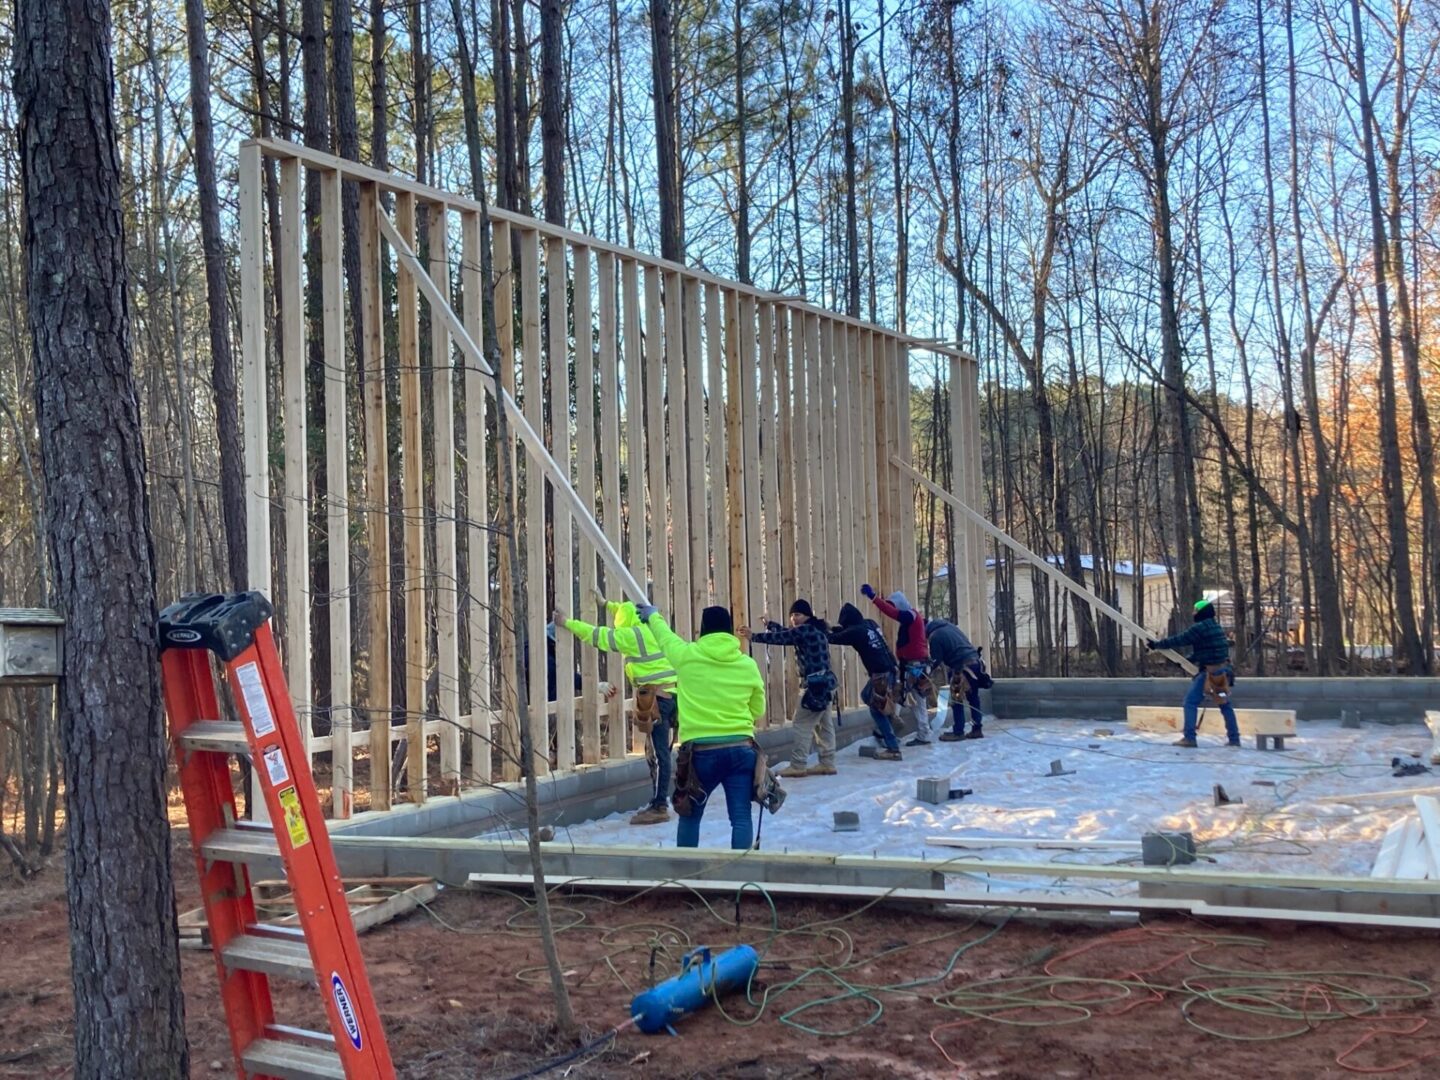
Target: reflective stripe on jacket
x=645 y=661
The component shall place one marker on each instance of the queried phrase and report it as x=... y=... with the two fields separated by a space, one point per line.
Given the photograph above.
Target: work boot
x=917 y=741
x=651 y=815
x=794 y=772
x=951 y=736
x=1189 y=743
x=1233 y=745
x=888 y=755
x=820 y=769
x=974 y=733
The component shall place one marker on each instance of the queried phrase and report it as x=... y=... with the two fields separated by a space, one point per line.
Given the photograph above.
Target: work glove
x=599 y=598
x=558 y=617
x=1150 y=646
x=608 y=691
x=772 y=627
x=867 y=592
x=645 y=611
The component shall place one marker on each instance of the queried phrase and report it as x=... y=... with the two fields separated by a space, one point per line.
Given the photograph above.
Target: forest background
x=1193 y=244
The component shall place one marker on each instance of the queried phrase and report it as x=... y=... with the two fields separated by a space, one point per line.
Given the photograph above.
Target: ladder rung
x=224 y=736
x=273 y=956
x=240 y=845
x=291 y=1061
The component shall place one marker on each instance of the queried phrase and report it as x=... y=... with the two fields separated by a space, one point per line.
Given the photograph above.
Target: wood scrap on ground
x=372 y=901
x=1167 y=719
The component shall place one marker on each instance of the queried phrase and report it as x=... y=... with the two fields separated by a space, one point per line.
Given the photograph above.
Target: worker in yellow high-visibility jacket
x=653 y=679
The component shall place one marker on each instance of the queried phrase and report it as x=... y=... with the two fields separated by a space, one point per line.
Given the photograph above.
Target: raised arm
x=671 y=644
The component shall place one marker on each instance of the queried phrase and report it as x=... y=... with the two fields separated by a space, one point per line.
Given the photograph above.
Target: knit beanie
x=716 y=620
x=802 y=607
x=898 y=599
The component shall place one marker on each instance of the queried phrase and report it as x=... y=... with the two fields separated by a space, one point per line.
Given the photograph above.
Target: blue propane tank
x=700 y=979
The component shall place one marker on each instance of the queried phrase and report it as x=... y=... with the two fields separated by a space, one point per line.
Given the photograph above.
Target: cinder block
x=847 y=821
x=1167 y=849
x=868 y=750
x=932 y=789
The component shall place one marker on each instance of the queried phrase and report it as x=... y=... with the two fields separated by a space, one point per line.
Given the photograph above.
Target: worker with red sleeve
x=913 y=652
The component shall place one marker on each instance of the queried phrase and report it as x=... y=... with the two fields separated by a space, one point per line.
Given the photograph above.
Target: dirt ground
x=469 y=997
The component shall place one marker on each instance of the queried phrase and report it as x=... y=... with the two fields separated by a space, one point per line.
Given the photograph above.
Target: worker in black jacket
x=949 y=646
x=1210 y=653
x=864 y=636
x=809 y=636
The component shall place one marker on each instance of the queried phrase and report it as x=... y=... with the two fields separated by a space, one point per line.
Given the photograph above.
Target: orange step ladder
x=324 y=949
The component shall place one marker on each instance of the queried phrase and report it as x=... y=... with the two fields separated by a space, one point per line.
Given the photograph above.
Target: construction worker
x=1210 y=653
x=809 y=636
x=913 y=653
x=864 y=636
x=950 y=647
x=721 y=696
x=653 y=679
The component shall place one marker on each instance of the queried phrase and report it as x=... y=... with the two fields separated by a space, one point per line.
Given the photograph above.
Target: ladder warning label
x=275 y=765
x=252 y=689
x=294 y=818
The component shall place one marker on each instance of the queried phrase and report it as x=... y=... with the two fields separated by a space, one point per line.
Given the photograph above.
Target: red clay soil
x=471 y=999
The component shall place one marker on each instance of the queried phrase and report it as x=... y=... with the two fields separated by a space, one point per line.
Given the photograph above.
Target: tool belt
x=917 y=681
x=689 y=796
x=1218 y=680
x=816 y=690
x=971 y=674
x=880 y=698
x=646 y=713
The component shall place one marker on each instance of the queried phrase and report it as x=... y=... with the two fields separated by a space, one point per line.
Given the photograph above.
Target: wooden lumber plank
x=699 y=554
x=825 y=504
x=851 y=568
x=1414 y=861
x=750 y=442
x=823 y=578
x=865 y=431
x=337 y=495
x=773 y=604
x=378 y=702
x=909 y=571
x=980 y=605
x=637 y=527
x=477 y=511
x=393 y=905
x=535 y=583
x=1428 y=808
x=718 y=364
x=802 y=421
x=734 y=471
x=412 y=487
x=587 y=483
x=659 y=517
x=785 y=462
x=855 y=471
x=1041 y=842
x=1376 y=796
x=297 y=473
x=253 y=384
x=1043 y=565
x=506 y=736
x=677 y=454
x=1396 y=840
x=1009 y=901
x=562 y=570
x=610 y=466
x=883 y=491
x=959 y=481
x=1162 y=719
x=445 y=575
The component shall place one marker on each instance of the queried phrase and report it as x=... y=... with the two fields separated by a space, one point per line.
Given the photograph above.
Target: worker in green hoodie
x=654 y=680
x=721 y=695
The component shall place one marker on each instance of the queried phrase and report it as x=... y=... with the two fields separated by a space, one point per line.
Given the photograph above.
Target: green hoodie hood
x=719 y=648
x=624 y=615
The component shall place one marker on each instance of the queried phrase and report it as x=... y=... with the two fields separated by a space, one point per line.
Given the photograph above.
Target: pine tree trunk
x=552 y=108
x=672 y=243
x=222 y=363
x=125 y=961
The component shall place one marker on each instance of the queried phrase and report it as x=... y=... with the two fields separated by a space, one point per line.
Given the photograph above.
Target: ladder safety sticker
x=294 y=818
x=346 y=1010
x=275 y=765
x=262 y=720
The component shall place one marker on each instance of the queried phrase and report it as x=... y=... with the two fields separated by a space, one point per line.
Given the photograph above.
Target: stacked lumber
x=1411 y=848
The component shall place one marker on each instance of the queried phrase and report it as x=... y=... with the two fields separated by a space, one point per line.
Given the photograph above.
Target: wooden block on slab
x=1170 y=719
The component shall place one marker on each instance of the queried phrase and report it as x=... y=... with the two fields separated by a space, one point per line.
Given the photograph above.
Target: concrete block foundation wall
x=1378 y=700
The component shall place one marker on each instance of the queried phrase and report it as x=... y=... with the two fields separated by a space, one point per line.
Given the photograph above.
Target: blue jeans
x=662 y=735
x=884 y=730
x=1192 y=708
x=971 y=699
x=731 y=767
